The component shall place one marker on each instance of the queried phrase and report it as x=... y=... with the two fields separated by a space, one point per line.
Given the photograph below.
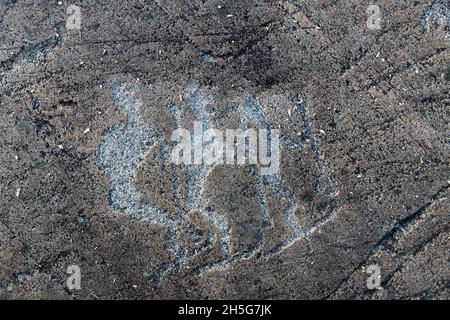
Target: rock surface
x=86 y=118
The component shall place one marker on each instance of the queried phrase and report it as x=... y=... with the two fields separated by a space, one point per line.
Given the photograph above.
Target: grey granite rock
x=86 y=123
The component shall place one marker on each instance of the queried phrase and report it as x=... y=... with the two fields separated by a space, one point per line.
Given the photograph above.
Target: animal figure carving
x=260 y=229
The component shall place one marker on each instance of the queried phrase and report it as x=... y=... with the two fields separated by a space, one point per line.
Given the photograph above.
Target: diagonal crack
x=389 y=235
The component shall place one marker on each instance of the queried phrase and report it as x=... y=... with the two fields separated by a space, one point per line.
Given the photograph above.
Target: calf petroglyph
x=251 y=215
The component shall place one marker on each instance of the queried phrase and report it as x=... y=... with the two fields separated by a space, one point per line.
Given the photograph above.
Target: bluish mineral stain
x=197 y=103
x=196 y=174
x=207 y=58
x=255 y=115
x=119 y=154
x=309 y=135
x=436 y=16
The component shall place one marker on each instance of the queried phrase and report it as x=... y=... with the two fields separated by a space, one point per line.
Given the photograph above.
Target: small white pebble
x=17 y=192
x=86 y=131
x=16 y=157
x=322 y=131
x=60 y=146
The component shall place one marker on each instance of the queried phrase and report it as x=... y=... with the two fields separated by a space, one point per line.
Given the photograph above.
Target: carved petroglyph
x=246 y=214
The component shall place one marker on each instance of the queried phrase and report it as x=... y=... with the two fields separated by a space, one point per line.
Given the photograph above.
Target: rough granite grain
x=86 y=118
